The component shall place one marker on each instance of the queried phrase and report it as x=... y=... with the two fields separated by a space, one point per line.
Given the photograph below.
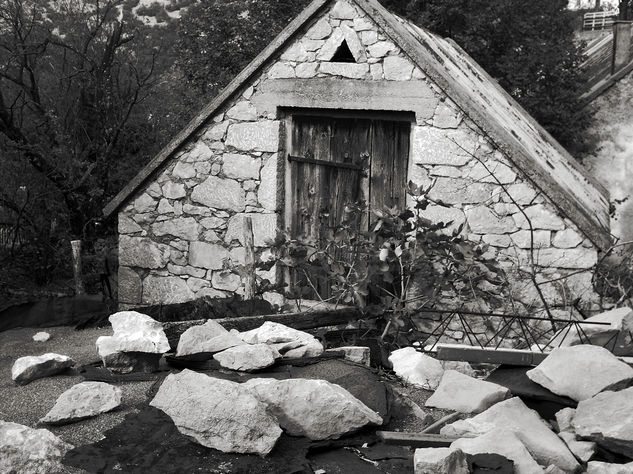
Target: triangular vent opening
x=343 y=54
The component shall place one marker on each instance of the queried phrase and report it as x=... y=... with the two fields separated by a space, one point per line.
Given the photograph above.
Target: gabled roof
x=545 y=162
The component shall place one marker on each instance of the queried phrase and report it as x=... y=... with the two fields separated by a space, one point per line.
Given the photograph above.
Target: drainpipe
x=622 y=50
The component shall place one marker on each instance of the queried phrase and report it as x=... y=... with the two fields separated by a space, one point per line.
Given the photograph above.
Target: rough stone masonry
x=181 y=235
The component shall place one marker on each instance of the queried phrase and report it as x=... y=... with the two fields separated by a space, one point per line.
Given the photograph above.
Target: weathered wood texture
x=249 y=260
x=302 y=321
x=415 y=440
x=435 y=427
x=489 y=355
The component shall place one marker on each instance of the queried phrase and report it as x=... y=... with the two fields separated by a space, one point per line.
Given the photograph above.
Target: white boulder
x=465 y=394
x=26 y=369
x=505 y=443
x=247 y=357
x=133 y=332
x=217 y=413
x=439 y=461
x=84 y=400
x=207 y=338
x=580 y=372
x=534 y=433
x=607 y=419
x=41 y=336
x=302 y=343
x=27 y=450
x=416 y=368
x=316 y=409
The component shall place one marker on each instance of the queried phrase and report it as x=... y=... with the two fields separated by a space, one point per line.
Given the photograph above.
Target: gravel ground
x=26 y=404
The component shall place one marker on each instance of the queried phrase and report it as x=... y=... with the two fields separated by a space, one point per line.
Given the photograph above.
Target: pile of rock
x=249 y=417
x=603 y=420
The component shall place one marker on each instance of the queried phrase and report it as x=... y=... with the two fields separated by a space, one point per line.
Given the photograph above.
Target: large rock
x=26 y=369
x=26 y=450
x=617 y=334
x=300 y=344
x=207 y=338
x=142 y=252
x=137 y=343
x=316 y=409
x=580 y=372
x=133 y=332
x=534 y=433
x=217 y=413
x=218 y=193
x=505 y=443
x=607 y=419
x=466 y=394
x=439 y=461
x=598 y=467
x=416 y=368
x=247 y=357
x=84 y=400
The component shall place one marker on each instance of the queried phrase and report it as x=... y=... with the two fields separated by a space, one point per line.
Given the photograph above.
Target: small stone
x=182 y=170
x=41 y=336
x=362 y=24
x=521 y=193
x=186 y=228
x=434 y=146
x=144 y=203
x=540 y=217
x=567 y=239
x=440 y=461
x=297 y=53
x=241 y=166
x=206 y=339
x=466 y=394
x=582 y=371
x=491 y=172
x=320 y=30
x=217 y=131
x=159 y=289
x=583 y=450
x=220 y=194
x=281 y=71
x=29 y=368
x=81 y=401
x=316 y=409
x=564 y=418
x=234 y=420
x=264 y=228
x=356 y=354
x=446 y=117
x=417 y=368
x=599 y=467
x=306 y=70
x=206 y=255
x=243 y=110
x=226 y=280
x=27 y=450
x=273 y=333
x=537 y=239
x=381 y=49
x=343 y=11
x=254 y=136
x=397 y=69
x=483 y=221
x=142 y=252
x=247 y=357
x=127 y=225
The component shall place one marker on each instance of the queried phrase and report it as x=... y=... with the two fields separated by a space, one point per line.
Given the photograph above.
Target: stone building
x=352 y=101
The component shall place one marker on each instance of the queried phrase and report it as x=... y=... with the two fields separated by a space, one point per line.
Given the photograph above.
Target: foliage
x=218 y=38
x=613 y=277
x=527 y=46
x=403 y=264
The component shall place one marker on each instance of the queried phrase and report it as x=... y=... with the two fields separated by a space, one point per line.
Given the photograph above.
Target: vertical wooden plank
x=76 y=257
x=249 y=260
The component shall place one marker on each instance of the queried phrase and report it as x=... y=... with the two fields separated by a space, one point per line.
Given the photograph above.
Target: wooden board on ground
x=489 y=355
x=415 y=440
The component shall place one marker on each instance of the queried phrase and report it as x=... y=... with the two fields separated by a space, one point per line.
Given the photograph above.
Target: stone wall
x=181 y=236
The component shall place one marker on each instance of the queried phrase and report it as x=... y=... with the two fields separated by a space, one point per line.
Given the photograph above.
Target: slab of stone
x=209 y=256
x=356 y=354
x=618 y=331
x=241 y=166
x=396 y=68
x=349 y=70
x=234 y=420
x=186 y=228
x=502 y=442
x=133 y=332
x=483 y=221
x=206 y=339
x=273 y=333
x=416 y=368
x=583 y=450
x=41 y=336
x=26 y=369
x=532 y=431
x=540 y=217
x=564 y=418
x=81 y=401
x=247 y=357
x=440 y=461
x=267 y=191
x=582 y=371
x=607 y=419
x=343 y=11
x=28 y=450
x=218 y=193
x=465 y=394
x=166 y=290
x=254 y=136
x=142 y=252
x=599 y=467
x=316 y=409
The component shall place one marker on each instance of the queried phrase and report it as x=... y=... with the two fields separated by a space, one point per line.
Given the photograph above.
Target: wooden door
x=334 y=161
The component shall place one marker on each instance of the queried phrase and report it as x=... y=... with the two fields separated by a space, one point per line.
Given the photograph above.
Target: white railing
x=598 y=20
